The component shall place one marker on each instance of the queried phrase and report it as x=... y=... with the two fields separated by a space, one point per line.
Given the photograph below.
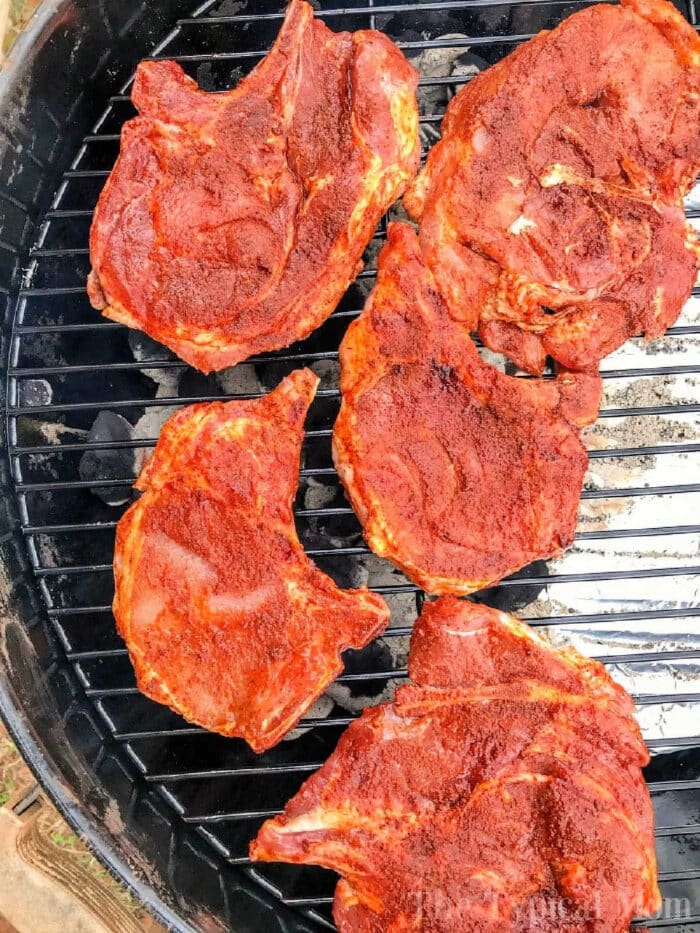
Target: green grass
x=6 y=788
x=20 y=13
x=65 y=840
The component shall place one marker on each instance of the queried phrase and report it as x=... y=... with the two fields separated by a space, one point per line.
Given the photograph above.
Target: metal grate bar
x=629 y=658
x=287 y=768
x=147 y=402
x=41 y=253
x=639 y=616
x=641 y=699
x=311 y=355
x=613 y=493
x=401 y=673
x=23 y=330
x=378 y=9
x=88 y=172
x=607 y=534
x=658 y=786
x=310 y=767
x=49 y=449
x=96 y=655
x=147 y=734
x=99 y=322
x=127 y=482
x=680 y=830
x=81 y=446
x=306 y=901
x=689 y=875
x=654 y=787
x=415 y=45
x=50 y=293
x=101 y=693
x=105 y=404
x=67 y=369
x=71 y=213
x=447 y=81
x=686 y=925
x=233 y=817
x=95 y=138
x=157 y=733
x=587 y=577
x=604 y=534
x=633 y=491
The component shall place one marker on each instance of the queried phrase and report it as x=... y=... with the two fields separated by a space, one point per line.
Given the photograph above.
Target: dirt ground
x=50 y=882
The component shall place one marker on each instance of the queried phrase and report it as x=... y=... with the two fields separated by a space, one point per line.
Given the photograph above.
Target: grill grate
x=627 y=592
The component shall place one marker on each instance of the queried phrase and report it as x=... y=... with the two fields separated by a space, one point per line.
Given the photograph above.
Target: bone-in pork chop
x=226 y=619
x=458 y=473
x=232 y=223
x=501 y=792
x=550 y=211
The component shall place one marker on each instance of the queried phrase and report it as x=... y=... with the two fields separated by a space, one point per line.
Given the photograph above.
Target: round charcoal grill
x=169 y=807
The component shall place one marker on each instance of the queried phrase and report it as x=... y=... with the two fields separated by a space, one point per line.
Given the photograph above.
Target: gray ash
x=455 y=61
x=239 y=380
x=467 y=65
x=228 y=8
x=147 y=350
x=327 y=529
x=319 y=495
x=34 y=392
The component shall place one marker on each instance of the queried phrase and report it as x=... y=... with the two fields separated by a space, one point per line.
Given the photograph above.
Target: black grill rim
x=49 y=762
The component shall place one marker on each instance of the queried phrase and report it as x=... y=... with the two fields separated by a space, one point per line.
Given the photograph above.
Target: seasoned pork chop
x=459 y=474
x=501 y=792
x=550 y=211
x=233 y=223
x=226 y=619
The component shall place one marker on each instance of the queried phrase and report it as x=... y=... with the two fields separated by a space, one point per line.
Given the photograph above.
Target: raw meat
x=550 y=211
x=233 y=223
x=226 y=619
x=459 y=474
x=501 y=793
